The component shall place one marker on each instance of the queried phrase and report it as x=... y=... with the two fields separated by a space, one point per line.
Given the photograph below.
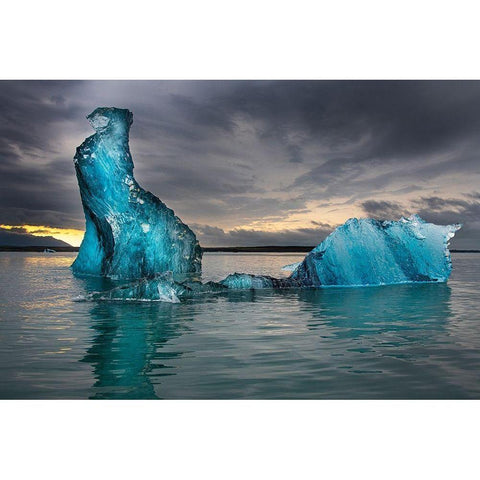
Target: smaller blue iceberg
x=365 y=252
x=374 y=252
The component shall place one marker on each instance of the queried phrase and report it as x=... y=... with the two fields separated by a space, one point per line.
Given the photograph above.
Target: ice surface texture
x=373 y=252
x=160 y=288
x=130 y=233
x=244 y=281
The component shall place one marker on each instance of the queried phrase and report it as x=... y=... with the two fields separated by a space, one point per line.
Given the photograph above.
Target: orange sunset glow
x=70 y=235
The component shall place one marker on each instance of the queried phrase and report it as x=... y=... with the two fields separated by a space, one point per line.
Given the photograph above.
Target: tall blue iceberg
x=130 y=233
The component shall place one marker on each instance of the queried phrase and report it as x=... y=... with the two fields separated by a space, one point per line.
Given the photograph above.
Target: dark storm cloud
x=230 y=153
x=321 y=224
x=40 y=189
x=454 y=210
x=442 y=211
x=453 y=204
x=37 y=181
x=449 y=209
x=383 y=209
x=403 y=119
x=214 y=236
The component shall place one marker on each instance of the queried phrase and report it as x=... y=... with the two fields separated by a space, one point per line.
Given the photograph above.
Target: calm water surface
x=406 y=341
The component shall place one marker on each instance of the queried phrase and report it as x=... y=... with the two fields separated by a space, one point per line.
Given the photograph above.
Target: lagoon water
x=402 y=342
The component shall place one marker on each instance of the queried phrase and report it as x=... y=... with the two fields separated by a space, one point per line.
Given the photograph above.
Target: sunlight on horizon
x=70 y=235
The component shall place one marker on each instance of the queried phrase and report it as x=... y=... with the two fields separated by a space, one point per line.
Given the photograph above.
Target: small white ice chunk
x=98 y=122
x=291 y=267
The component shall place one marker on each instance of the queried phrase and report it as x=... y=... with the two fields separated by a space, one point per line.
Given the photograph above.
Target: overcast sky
x=254 y=162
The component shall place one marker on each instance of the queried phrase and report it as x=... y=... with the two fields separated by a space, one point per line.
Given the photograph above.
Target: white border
x=251 y=39
x=239 y=439
x=240 y=40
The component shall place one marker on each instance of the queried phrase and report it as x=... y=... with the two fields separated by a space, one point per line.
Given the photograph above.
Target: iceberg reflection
x=126 y=351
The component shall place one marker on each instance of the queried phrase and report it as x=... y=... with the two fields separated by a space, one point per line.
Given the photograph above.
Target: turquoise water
x=406 y=341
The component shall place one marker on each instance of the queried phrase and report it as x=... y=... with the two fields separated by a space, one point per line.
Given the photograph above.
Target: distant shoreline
x=260 y=249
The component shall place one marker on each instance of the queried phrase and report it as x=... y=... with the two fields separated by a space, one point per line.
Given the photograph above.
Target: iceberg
x=130 y=233
x=364 y=252
x=160 y=288
x=361 y=252
x=374 y=252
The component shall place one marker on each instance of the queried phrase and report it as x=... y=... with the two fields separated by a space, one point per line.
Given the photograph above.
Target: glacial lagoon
x=388 y=342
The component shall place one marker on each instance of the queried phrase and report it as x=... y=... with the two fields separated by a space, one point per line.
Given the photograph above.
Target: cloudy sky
x=252 y=162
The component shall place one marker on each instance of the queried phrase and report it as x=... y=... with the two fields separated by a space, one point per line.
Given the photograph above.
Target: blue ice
x=373 y=252
x=130 y=233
